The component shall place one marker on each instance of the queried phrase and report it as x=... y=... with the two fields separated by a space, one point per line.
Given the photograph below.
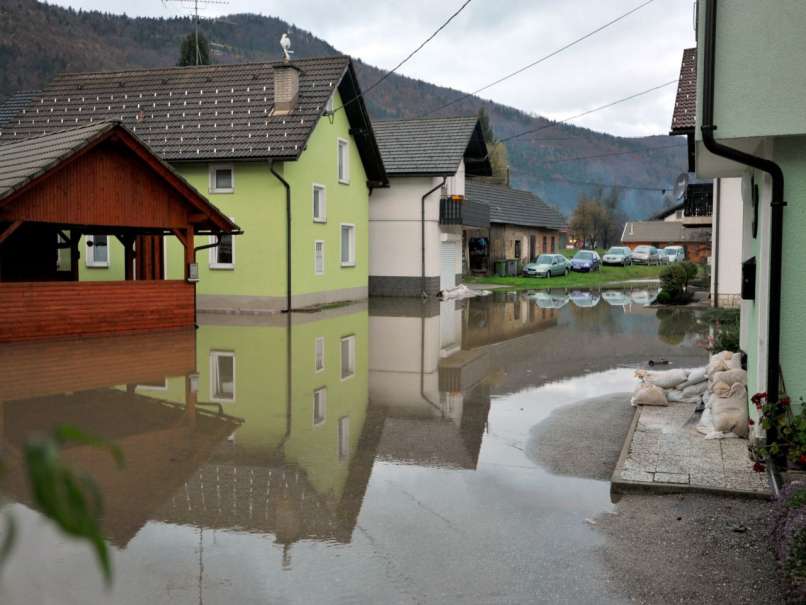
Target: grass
x=573 y=280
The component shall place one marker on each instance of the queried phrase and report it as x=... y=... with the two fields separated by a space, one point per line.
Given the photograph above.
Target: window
x=319 y=257
x=222 y=376
x=553 y=245
x=347 y=357
x=157 y=385
x=319 y=406
x=97 y=251
x=222 y=256
x=545 y=244
x=319 y=354
x=64 y=261
x=344 y=438
x=343 y=159
x=319 y=204
x=347 y=245
x=517 y=248
x=222 y=178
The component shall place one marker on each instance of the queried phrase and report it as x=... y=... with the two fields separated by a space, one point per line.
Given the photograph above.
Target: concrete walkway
x=664 y=452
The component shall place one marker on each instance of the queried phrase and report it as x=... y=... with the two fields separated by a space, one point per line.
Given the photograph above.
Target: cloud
x=493 y=37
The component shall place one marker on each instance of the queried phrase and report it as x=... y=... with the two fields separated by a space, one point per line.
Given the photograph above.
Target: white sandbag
x=695 y=390
x=735 y=362
x=729 y=377
x=695 y=376
x=667 y=379
x=649 y=394
x=729 y=408
x=674 y=396
x=706 y=423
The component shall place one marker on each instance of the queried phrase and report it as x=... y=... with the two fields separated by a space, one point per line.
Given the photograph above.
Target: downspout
x=777 y=204
x=287 y=236
x=718 y=214
x=423 y=291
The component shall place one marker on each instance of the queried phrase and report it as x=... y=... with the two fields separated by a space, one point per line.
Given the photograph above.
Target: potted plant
x=786 y=431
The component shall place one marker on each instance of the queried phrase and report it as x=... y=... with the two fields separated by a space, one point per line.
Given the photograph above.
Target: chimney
x=286 y=88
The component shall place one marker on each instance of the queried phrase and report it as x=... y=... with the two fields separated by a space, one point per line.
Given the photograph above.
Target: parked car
x=549 y=300
x=618 y=255
x=674 y=254
x=586 y=260
x=547 y=265
x=585 y=298
x=643 y=297
x=646 y=255
x=616 y=298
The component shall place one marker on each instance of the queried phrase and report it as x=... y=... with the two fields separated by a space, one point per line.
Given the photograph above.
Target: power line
x=543 y=58
x=589 y=111
x=410 y=55
x=612 y=153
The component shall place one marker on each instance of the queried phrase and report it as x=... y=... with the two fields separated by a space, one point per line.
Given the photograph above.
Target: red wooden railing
x=42 y=310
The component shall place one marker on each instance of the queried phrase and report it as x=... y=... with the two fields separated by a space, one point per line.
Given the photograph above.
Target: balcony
x=456 y=210
x=699 y=202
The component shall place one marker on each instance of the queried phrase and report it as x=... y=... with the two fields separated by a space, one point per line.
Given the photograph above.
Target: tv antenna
x=196 y=4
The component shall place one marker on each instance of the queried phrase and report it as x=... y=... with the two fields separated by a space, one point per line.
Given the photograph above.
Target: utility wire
x=612 y=153
x=543 y=58
x=588 y=112
x=609 y=185
x=410 y=55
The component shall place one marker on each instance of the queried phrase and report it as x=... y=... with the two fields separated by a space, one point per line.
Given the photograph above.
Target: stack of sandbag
x=725 y=413
x=670 y=386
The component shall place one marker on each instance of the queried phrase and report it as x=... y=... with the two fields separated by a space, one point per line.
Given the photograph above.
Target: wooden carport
x=94 y=180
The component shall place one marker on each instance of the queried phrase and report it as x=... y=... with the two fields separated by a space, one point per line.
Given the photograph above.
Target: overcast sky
x=493 y=37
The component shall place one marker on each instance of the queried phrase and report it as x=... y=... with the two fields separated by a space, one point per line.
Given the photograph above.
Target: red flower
x=759 y=467
x=758 y=398
x=750 y=422
x=785 y=400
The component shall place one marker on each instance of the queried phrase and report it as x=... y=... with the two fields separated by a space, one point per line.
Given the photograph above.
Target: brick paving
x=666 y=450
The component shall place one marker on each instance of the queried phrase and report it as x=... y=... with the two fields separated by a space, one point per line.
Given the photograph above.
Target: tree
x=598 y=219
x=187 y=51
x=496 y=150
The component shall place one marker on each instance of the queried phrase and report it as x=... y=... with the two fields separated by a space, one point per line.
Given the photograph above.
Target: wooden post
x=75 y=256
x=128 y=256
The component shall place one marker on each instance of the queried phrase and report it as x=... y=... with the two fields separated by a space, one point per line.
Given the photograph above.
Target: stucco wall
x=503 y=237
x=728 y=217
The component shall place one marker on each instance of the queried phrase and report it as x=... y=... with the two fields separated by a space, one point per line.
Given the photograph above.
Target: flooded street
x=392 y=452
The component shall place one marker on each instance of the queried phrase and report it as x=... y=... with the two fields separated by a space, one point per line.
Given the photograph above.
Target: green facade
x=258 y=206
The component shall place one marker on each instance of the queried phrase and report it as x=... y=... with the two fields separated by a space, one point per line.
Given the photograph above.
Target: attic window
x=222 y=178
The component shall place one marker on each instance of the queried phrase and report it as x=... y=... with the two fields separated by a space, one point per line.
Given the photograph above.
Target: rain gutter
x=287 y=235
x=423 y=291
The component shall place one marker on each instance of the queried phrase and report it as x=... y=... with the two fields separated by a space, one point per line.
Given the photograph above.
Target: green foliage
x=674 y=284
x=691 y=269
x=581 y=280
x=789 y=428
x=725 y=325
x=69 y=499
x=188 y=54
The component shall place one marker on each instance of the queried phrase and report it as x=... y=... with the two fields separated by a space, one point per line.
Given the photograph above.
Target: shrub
x=673 y=281
x=691 y=270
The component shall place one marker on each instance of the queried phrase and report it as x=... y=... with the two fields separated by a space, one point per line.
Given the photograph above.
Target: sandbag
x=649 y=394
x=729 y=377
x=695 y=376
x=729 y=409
x=695 y=390
x=718 y=363
x=667 y=379
x=735 y=362
x=674 y=396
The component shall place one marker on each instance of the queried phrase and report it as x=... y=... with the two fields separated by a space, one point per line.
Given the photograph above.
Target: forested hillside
x=37 y=41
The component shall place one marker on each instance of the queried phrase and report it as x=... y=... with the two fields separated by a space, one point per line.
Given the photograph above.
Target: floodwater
x=376 y=453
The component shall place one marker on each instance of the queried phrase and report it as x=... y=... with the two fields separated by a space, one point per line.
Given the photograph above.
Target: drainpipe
x=776 y=227
x=715 y=255
x=287 y=236
x=423 y=291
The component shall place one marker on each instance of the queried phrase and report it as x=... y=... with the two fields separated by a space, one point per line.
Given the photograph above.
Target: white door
x=447 y=257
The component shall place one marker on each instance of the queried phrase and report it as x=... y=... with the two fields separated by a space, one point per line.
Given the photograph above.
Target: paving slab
x=664 y=452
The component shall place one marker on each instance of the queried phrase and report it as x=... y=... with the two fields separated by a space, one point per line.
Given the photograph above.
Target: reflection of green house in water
x=299 y=464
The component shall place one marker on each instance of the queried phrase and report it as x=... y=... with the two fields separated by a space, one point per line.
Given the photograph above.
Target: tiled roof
x=684 y=117
x=12 y=105
x=513 y=206
x=23 y=161
x=203 y=112
x=663 y=232
x=432 y=146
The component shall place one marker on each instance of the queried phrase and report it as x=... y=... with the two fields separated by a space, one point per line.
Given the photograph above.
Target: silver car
x=646 y=255
x=618 y=255
x=674 y=254
x=547 y=265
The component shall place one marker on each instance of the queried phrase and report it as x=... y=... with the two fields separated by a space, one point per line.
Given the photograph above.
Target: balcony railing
x=699 y=200
x=457 y=210
x=450 y=210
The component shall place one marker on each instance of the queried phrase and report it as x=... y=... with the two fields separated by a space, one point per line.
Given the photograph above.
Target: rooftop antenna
x=196 y=4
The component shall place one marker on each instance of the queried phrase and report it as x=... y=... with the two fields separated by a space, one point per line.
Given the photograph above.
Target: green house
x=284 y=148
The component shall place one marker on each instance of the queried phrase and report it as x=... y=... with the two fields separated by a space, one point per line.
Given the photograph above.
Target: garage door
x=448 y=257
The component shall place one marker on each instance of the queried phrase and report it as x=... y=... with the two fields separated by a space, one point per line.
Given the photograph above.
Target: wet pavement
x=388 y=452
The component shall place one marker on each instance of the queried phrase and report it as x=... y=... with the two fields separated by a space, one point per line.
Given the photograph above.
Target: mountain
x=38 y=41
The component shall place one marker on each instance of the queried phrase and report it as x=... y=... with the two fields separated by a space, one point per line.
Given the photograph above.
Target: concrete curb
x=619 y=486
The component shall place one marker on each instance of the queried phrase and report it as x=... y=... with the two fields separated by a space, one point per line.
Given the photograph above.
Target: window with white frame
x=97 y=251
x=222 y=376
x=344 y=438
x=319 y=354
x=319 y=204
x=319 y=406
x=222 y=256
x=347 y=357
x=347 y=245
x=319 y=257
x=222 y=178
x=343 y=156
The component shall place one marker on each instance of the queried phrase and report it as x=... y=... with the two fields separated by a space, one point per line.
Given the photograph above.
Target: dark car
x=586 y=261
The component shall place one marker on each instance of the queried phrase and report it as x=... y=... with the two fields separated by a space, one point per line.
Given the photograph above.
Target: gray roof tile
x=684 y=117
x=12 y=105
x=513 y=206
x=430 y=146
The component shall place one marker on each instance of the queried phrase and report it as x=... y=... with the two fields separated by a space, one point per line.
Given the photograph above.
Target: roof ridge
x=53 y=133
x=425 y=119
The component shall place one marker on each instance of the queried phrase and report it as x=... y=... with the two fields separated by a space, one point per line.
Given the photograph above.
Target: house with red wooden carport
x=95 y=179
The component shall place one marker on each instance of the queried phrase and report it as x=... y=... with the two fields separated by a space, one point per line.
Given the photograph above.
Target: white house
x=415 y=225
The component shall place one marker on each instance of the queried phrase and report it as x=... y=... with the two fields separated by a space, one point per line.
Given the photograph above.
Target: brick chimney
x=286 y=88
